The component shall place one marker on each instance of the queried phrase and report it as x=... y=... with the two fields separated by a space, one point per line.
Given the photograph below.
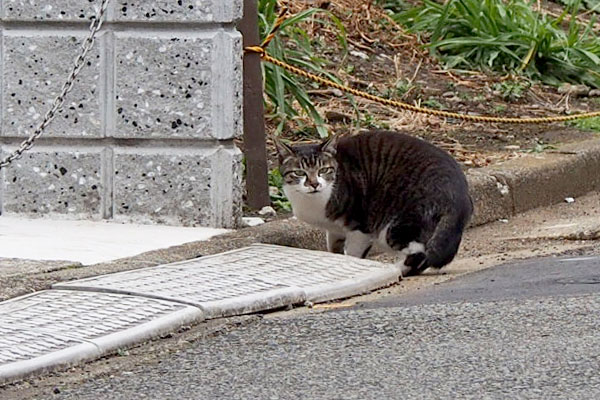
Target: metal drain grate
x=56 y=326
x=251 y=279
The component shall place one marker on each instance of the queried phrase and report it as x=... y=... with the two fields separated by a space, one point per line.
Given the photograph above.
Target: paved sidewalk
x=88 y=242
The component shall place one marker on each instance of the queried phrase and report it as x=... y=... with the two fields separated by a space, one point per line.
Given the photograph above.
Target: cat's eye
x=326 y=170
x=298 y=173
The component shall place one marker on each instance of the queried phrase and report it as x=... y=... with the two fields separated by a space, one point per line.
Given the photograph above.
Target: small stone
x=252 y=221
x=503 y=220
x=267 y=211
x=564 y=88
x=337 y=92
x=56 y=390
x=512 y=147
x=580 y=90
x=334 y=116
x=359 y=54
x=594 y=93
x=569 y=200
x=273 y=191
x=447 y=95
x=574 y=90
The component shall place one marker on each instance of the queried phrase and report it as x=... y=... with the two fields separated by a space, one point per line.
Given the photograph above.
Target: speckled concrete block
x=54 y=181
x=178 y=86
x=49 y=10
x=163 y=75
x=178 y=186
x=178 y=10
x=34 y=70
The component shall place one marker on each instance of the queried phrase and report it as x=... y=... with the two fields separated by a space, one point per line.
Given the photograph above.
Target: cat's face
x=308 y=169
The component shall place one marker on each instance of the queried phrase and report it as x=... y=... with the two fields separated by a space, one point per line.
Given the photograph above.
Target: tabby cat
x=380 y=187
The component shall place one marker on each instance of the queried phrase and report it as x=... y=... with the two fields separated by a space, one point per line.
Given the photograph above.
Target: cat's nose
x=313 y=185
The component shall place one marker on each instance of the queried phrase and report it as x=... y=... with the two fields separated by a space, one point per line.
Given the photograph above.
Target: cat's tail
x=441 y=248
x=443 y=244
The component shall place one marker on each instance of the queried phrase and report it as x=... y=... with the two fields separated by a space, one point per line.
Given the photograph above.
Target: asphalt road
x=524 y=331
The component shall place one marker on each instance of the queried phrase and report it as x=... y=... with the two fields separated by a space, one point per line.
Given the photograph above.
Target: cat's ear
x=329 y=145
x=283 y=150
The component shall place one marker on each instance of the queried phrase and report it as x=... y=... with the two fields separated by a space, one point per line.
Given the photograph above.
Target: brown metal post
x=254 y=127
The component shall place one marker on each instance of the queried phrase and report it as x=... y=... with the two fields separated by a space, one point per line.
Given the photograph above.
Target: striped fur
x=380 y=187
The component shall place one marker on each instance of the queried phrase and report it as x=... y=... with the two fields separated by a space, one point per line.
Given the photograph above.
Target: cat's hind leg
x=358 y=244
x=404 y=239
x=335 y=242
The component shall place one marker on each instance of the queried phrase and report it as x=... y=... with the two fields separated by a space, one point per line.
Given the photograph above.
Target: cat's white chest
x=310 y=207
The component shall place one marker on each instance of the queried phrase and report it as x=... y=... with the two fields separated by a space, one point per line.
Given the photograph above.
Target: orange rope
x=409 y=107
x=282 y=17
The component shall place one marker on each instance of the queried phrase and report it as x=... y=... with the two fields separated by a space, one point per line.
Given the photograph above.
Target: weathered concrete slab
x=51 y=328
x=82 y=242
x=551 y=176
x=256 y=278
x=492 y=199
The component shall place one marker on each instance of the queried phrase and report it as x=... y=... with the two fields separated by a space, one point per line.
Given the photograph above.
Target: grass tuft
x=508 y=37
x=286 y=93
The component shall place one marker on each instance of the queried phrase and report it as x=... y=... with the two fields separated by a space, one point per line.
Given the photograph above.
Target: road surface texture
x=518 y=331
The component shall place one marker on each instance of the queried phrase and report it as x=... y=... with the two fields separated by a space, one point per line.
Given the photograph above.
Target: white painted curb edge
x=361 y=284
x=101 y=346
x=255 y=302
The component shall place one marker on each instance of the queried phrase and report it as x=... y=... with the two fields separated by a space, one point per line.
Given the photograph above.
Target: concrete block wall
x=147 y=132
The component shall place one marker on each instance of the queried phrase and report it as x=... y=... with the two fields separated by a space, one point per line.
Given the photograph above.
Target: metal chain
x=58 y=102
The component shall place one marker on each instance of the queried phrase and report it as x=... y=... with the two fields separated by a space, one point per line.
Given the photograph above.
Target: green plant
x=587 y=124
x=540 y=147
x=592 y=5
x=500 y=108
x=122 y=352
x=433 y=103
x=464 y=96
x=508 y=36
x=294 y=46
x=403 y=86
x=511 y=90
x=278 y=198
x=395 y=6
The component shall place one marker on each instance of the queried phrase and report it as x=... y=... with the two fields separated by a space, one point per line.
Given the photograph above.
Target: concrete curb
x=41 y=341
x=255 y=278
x=522 y=184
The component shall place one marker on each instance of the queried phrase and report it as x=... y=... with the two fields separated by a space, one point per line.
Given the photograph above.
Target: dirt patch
x=383 y=59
